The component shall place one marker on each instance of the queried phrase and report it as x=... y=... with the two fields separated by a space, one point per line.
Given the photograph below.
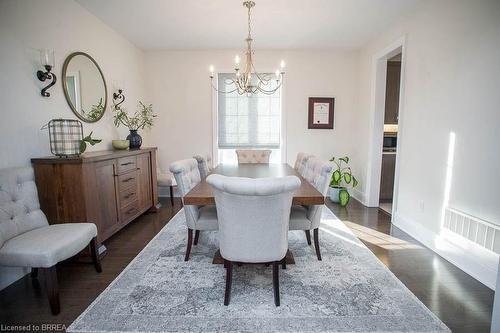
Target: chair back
x=254 y=216
x=187 y=176
x=319 y=174
x=19 y=207
x=300 y=162
x=202 y=165
x=253 y=156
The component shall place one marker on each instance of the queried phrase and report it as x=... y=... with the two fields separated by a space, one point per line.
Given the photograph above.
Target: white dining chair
x=203 y=165
x=300 y=162
x=166 y=179
x=27 y=239
x=307 y=218
x=253 y=156
x=253 y=222
x=198 y=218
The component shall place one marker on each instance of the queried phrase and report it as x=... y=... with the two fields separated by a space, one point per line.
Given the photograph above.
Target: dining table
x=306 y=194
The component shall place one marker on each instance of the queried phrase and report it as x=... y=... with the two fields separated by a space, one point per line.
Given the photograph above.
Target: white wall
x=25 y=27
x=452 y=80
x=178 y=85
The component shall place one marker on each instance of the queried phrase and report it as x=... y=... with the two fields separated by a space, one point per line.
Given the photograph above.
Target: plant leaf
x=344 y=197
x=354 y=181
x=347 y=177
x=83 y=146
x=332 y=159
x=336 y=176
x=344 y=159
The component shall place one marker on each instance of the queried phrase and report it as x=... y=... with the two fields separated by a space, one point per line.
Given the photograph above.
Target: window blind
x=247 y=121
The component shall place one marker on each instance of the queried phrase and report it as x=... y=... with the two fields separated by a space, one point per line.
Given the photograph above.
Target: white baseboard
x=474 y=260
x=358 y=195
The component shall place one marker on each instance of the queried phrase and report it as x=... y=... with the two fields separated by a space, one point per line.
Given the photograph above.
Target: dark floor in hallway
x=464 y=304
x=460 y=301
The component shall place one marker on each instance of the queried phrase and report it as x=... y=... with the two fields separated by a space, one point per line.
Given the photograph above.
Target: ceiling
x=221 y=24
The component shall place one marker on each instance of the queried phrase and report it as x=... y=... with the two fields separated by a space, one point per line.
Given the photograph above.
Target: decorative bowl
x=120 y=144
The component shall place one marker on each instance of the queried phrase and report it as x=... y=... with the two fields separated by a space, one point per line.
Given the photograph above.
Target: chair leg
x=283 y=263
x=229 y=280
x=196 y=237
x=95 y=255
x=50 y=275
x=316 y=243
x=172 y=195
x=276 y=283
x=189 y=243
x=308 y=236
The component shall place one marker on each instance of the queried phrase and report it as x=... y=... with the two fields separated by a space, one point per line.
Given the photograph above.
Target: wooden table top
x=307 y=194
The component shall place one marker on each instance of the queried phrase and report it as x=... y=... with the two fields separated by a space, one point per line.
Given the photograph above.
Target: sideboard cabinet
x=108 y=188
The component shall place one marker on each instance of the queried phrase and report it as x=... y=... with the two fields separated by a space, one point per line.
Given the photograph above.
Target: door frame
x=377 y=112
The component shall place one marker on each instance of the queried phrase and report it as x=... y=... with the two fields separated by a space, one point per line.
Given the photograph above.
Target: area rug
x=349 y=291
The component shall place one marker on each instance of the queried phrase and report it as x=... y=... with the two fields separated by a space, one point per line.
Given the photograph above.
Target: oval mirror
x=84 y=87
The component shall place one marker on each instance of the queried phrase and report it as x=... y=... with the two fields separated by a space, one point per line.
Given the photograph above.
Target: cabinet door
x=392 y=92
x=144 y=190
x=387 y=177
x=106 y=197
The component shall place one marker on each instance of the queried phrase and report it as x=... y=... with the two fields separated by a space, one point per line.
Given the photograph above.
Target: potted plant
x=341 y=177
x=142 y=118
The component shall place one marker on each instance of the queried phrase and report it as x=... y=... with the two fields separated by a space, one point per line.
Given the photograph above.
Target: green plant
x=88 y=139
x=95 y=112
x=341 y=177
x=142 y=118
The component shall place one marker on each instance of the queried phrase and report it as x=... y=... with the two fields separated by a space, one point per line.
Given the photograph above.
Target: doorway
x=390 y=133
x=394 y=51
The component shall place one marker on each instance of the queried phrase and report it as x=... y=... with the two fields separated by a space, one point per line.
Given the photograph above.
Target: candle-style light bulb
x=211 y=69
x=237 y=59
x=282 y=64
x=277 y=74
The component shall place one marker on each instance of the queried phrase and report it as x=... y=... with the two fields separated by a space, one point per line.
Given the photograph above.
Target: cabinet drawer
x=127 y=196
x=126 y=164
x=129 y=212
x=126 y=181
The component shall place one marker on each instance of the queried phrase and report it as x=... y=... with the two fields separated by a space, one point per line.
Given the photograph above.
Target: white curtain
x=248 y=121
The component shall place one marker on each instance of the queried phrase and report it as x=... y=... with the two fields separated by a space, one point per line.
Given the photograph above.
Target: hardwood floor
x=460 y=301
x=464 y=304
x=23 y=303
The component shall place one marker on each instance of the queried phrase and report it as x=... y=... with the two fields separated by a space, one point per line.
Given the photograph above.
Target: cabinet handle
x=127 y=180
x=128 y=195
x=128 y=163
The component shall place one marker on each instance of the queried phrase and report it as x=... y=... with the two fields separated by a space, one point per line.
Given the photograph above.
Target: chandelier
x=249 y=81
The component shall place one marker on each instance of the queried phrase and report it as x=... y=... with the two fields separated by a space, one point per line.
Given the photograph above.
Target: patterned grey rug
x=349 y=291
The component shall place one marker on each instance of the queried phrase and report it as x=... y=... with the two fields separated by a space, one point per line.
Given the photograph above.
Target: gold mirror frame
x=63 y=80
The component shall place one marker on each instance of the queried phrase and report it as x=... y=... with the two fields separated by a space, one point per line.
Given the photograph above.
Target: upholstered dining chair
x=203 y=165
x=166 y=179
x=26 y=238
x=307 y=218
x=198 y=218
x=253 y=222
x=300 y=162
x=253 y=156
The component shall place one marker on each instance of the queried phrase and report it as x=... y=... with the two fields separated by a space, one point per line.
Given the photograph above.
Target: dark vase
x=135 y=139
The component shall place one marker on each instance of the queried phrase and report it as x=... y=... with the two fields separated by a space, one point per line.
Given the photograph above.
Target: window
x=247 y=122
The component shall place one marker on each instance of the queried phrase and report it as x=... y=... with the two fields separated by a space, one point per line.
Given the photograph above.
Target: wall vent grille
x=478 y=231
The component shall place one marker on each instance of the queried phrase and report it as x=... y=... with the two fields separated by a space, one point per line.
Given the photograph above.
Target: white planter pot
x=334 y=194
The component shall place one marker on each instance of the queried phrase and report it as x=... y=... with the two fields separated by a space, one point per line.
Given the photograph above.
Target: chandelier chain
x=249 y=81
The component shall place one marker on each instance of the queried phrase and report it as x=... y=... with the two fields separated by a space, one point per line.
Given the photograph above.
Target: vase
x=135 y=139
x=339 y=195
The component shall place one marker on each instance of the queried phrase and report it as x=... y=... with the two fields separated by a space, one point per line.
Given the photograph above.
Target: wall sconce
x=47 y=61
x=118 y=96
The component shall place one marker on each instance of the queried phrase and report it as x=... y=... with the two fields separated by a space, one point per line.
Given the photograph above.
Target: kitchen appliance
x=390 y=142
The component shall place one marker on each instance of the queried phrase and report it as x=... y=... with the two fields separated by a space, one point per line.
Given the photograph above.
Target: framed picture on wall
x=321 y=112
